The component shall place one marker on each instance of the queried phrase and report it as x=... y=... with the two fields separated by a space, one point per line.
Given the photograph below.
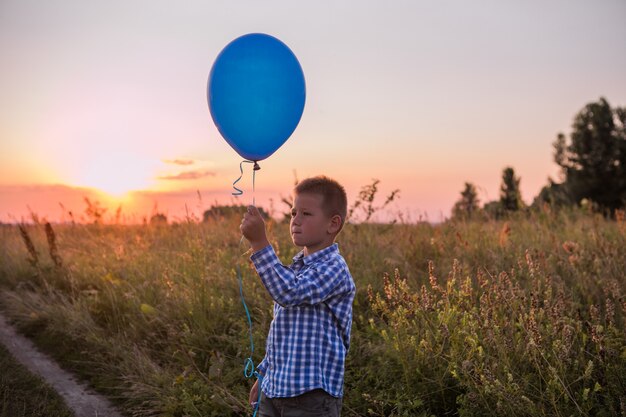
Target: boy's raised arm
x=312 y=286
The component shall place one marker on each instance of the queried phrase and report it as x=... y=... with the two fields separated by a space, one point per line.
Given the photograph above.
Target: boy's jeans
x=316 y=403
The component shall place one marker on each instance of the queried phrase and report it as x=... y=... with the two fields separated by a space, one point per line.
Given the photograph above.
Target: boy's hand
x=253 y=229
x=254 y=394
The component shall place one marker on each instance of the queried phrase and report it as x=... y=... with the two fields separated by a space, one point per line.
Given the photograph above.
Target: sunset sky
x=107 y=100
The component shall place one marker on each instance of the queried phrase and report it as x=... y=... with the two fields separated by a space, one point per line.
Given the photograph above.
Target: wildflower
x=431 y=276
x=425 y=299
x=565 y=344
x=571 y=247
x=370 y=293
x=610 y=312
x=594 y=313
x=535 y=336
x=388 y=288
x=532 y=267
x=596 y=334
x=466 y=288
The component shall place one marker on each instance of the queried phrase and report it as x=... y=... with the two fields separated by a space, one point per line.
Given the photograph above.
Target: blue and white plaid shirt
x=309 y=335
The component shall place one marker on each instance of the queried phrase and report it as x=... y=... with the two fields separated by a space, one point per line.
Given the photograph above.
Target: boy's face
x=310 y=227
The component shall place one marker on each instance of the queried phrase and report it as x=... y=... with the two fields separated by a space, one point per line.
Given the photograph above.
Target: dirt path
x=78 y=397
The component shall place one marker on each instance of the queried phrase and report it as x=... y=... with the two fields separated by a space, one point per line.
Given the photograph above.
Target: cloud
x=179 y=161
x=188 y=175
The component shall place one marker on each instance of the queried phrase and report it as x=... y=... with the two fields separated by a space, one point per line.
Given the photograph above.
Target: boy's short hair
x=334 y=200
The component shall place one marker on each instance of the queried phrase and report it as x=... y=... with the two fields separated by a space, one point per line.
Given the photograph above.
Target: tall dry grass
x=516 y=317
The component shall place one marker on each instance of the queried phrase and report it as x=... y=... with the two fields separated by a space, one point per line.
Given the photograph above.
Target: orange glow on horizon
x=56 y=202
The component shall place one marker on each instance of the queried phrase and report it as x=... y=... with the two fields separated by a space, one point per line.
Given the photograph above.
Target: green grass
x=517 y=317
x=23 y=394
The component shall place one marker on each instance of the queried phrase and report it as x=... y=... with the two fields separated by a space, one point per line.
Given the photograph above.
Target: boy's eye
x=306 y=213
x=293 y=213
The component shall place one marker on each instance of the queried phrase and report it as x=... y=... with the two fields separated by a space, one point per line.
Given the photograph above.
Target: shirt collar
x=317 y=256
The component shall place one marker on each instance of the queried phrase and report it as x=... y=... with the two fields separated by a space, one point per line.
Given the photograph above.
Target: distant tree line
x=214 y=213
x=219 y=212
x=593 y=169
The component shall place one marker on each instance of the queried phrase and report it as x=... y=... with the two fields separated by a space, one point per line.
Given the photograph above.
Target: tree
x=510 y=196
x=493 y=210
x=593 y=161
x=467 y=206
x=553 y=194
x=218 y=212
x=158 y=219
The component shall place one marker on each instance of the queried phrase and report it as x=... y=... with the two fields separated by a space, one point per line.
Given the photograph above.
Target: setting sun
x=117 y=174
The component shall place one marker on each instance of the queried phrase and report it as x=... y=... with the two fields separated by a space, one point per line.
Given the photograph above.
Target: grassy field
x=24 y=395
x=518 y=317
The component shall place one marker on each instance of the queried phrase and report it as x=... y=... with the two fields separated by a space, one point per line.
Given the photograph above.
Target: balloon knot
x=256 y=166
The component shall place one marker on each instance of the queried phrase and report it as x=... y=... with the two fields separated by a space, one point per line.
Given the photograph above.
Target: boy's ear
x=335 y=224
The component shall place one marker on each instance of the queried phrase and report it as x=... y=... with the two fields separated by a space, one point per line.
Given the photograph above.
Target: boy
x=302 y=372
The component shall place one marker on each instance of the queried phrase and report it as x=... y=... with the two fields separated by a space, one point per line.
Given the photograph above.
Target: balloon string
x=249 y=370
x=238 y=191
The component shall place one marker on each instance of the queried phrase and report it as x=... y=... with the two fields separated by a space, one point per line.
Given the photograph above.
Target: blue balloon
x=256 y=94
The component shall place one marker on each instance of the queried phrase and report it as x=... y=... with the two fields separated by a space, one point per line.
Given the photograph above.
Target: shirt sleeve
x=262 y=367
x=312 y=286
